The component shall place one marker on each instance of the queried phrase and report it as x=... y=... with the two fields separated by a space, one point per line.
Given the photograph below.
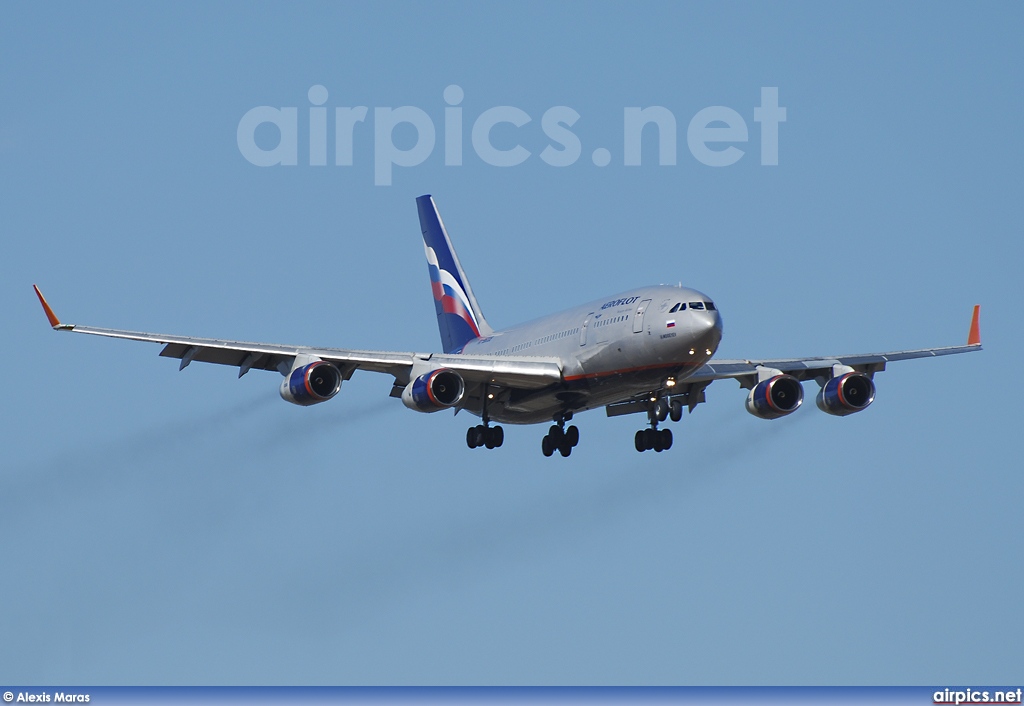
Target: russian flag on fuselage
x=458 y=316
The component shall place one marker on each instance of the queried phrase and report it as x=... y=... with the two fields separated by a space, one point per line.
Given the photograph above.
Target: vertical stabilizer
x=458 y=315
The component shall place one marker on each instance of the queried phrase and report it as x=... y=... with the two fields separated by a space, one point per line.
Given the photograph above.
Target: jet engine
x=434 y=391
x=775 y=397
x=846 y=394
x=311 y=384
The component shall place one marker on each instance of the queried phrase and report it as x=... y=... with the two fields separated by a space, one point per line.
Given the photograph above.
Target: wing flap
x=527 y=373
x=249 y=360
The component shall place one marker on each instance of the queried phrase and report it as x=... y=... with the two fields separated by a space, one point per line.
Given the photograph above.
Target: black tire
x=649 y=436
x=661 y=409
x=499 y=436
x=638 y=441
x=572 y=435
x=675 y=411
x=659 y=442
x=489 y=438
x=666 y=439
x=471 y=437
x=556 y=434
x=546 y=447
x=564 y=449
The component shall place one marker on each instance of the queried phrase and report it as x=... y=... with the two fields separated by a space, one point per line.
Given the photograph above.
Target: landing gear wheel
x=546 y=447
x=480 y=435
x=649 y=436
x=559 y=438
x=657 y=440
x=572 y=435
x=661 y=410
x=675 y=411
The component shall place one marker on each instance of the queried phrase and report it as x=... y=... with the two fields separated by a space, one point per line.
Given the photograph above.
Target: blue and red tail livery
x=458 y=315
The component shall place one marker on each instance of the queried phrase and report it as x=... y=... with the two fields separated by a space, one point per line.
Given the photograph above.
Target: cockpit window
x=697 y=305
x=682 y=307
x=710 y=306
x=674 y=309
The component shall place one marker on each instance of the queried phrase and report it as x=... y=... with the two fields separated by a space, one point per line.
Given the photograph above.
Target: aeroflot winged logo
x=449 y=296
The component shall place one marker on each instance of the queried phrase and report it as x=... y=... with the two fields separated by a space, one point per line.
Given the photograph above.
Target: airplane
x=647 y=351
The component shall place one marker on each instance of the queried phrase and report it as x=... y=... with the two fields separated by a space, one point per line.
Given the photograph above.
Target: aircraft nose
x=707 y=320
x=709 y=324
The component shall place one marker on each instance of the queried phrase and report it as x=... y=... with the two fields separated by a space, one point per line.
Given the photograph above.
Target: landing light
x=671 y=382
x=691 y=351
x=708 y=351
x=490 y=395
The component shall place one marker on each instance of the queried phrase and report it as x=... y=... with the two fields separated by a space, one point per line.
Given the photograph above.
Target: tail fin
x=458 y=315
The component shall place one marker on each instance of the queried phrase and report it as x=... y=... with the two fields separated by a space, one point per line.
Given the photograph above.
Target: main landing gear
x=484 y=434
x=655 y=439
x=559 y=438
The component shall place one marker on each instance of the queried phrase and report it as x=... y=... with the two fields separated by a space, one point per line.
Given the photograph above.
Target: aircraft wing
x=690 y=391
x=746 y=371
x=518 y=372
x=810 y=368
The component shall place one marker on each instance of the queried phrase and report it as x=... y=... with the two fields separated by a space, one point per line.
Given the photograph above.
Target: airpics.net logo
x=712 y=134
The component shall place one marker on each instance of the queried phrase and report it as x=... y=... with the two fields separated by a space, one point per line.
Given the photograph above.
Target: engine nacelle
x=311 y=384
x=775 y=397
x=434 y=391
x=846 y=394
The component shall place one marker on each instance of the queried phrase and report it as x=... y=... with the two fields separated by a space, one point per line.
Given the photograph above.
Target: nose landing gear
x=559 y=438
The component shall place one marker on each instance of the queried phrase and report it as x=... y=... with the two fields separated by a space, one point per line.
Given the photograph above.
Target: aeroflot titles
x=619 y=302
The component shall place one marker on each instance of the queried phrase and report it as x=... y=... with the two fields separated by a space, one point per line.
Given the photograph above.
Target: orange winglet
x=974 y=337
x=54 y=321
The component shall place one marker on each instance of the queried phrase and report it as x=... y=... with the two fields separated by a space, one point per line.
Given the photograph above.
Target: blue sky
x=164 y=527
